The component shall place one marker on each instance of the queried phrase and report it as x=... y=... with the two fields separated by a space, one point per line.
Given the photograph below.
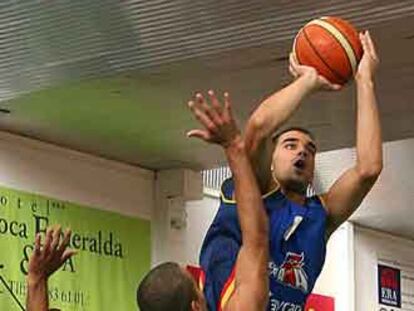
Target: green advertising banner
x=113 y=253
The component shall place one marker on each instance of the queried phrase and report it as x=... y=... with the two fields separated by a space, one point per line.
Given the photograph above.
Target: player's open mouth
x=299 y=164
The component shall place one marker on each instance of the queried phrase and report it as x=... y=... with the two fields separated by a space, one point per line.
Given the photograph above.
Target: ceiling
x=112 y=78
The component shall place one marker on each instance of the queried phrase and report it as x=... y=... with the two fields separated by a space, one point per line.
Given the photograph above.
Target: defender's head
x=170 y=287
x=293 y=161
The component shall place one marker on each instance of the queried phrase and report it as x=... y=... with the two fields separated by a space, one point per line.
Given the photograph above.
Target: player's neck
x=298 y=198
x=293 y=195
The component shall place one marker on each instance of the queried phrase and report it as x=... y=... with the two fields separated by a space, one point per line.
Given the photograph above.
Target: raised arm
x=44 y=261
x=251 y=292
x=346 y=194
x=273 y=112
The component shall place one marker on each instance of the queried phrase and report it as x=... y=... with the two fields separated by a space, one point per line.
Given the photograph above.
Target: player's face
x=293 y=160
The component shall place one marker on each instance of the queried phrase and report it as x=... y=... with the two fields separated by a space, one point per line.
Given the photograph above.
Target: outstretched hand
x=46 y=259
x=217 y=119
x=369 y=61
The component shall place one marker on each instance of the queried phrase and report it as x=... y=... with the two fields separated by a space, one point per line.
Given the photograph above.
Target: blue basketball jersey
x=297 y=250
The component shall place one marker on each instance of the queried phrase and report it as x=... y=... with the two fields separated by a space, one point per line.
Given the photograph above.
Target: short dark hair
x=166 y=287
x=277 y=135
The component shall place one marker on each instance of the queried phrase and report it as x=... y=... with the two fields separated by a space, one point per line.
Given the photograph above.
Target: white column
x=173 y=188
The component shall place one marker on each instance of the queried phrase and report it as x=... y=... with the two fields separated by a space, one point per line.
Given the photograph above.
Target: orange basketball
x=332 y=46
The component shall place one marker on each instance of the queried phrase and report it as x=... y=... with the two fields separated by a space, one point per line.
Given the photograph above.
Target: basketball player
x=284 y=167
x=168 y=286
x=43 y=262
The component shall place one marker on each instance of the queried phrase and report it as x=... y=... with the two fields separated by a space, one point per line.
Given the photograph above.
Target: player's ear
x=195 y=306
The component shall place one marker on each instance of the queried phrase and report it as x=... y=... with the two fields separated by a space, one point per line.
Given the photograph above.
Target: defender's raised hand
x=43 y=262
x=217 y=119
x=47 y=259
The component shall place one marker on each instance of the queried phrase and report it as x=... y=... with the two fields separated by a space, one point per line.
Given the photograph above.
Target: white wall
x=371 y=246
x=200 y=215
x=41 y=168
x=337 y=277
x=173 y=188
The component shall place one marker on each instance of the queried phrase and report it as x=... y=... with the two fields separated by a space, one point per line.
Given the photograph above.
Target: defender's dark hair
x=166 y=287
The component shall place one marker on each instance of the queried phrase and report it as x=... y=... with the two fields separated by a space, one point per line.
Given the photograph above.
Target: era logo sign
x=389 y=286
